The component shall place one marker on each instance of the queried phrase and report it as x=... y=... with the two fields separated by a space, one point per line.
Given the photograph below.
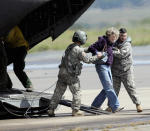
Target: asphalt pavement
x=42 y=79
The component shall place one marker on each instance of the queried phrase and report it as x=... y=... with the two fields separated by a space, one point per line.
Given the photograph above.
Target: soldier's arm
x=84 y=57
x=123 y=52
x=88 y=59
x=86 y=50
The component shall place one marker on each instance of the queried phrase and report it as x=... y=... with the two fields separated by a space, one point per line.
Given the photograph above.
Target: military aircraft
x=38 y=19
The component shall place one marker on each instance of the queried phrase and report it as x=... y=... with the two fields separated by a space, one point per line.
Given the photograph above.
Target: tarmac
x=126 y=120
x=44 y=79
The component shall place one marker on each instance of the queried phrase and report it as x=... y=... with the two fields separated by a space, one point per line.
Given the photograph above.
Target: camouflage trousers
x=128 y=82
x=60 y=89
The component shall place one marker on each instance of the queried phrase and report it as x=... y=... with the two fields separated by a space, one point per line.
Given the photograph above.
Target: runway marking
x=54 y=66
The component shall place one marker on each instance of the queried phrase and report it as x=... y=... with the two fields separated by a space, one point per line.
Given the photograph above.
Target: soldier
x=122 y=68
x=16 y=48
x=70 y=69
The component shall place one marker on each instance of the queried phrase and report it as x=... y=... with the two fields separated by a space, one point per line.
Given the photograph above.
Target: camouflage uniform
x=70 y=69
x=122 y=69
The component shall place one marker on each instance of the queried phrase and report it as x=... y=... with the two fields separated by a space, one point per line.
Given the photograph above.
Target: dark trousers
x=17 y=57
x=4 y=78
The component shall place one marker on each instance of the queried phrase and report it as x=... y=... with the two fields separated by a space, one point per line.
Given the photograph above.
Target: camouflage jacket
x=122 y=53
x=71 y=66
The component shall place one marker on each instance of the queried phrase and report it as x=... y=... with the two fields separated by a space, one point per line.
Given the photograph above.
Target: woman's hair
x=111 y=31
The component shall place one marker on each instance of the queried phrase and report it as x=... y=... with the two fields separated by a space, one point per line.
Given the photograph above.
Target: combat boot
x=108 y=109
x=51 y=113
x=118 y=109
x=77 y=113
x=29 y=89
x=138 y=108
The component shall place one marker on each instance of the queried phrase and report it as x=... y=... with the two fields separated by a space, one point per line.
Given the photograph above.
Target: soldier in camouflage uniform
x=122 y=69
x=70 y=69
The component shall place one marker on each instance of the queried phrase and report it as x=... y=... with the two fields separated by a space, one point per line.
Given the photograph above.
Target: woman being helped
x=104 y=69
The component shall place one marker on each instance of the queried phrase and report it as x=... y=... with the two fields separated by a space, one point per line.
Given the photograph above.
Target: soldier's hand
x=83 y=54
x=99 y=54
x=115 y=48
x=116 y=51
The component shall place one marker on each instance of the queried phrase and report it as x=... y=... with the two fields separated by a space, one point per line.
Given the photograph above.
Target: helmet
x=79 y=36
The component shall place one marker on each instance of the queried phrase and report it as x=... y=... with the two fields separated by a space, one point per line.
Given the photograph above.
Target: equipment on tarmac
x=19 y=103
x=85 y=108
